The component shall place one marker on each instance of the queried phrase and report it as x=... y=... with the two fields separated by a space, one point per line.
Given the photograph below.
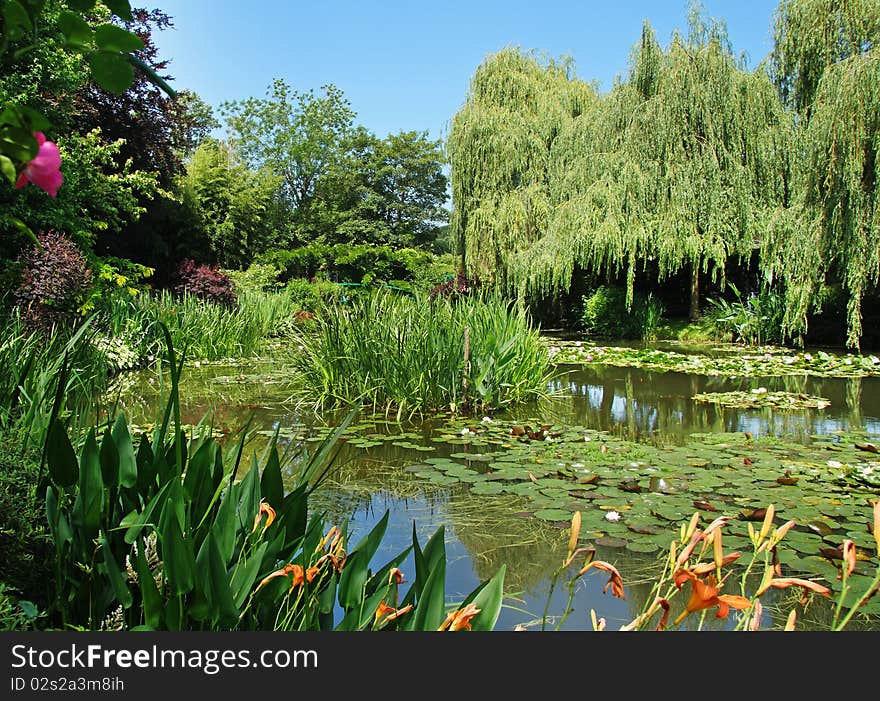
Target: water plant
x=165 y=536
x=408 y=356
x=696 y=563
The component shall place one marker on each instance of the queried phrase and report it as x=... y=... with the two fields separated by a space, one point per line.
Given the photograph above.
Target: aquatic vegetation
x=765 y=361
x=177 y=541
x=759 y=397
x=629 y=493
x=698 y=562
x=407 y=356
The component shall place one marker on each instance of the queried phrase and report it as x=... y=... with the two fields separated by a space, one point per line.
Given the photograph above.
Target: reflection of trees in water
x=659 y=406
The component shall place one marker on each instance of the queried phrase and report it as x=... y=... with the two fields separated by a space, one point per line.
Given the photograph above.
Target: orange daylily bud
x=768 y=522
x=719 y=522
x=849 y=556
x=706 y=567
x=692 y=526
x=877 y=524
x=575 y=532
x=598 y=623
x=755 y=623
x=786 y=582
x=792 y=617
x=717 y=551
x=396 y=575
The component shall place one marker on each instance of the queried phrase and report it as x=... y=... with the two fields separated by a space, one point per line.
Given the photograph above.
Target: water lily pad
x=611 y=542
x=642 y=546
x=553 y=515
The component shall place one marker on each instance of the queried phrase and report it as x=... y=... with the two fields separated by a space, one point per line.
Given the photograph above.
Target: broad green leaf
x=431 y=607
x=356 y=571
x=215 y=583
x=271 y=483
x=226 y=524
x=109 y=460
x=17 y=20
x=7 y=168
x=128 y=471
x=177 y=556
x=111 y=569
x=112 y=38
x=90 y=495
x=150 y=598
x=246 y=574
x=63 y=465
x=488 y=599
x=112 y=71
x=120 y=8
x=75 y=29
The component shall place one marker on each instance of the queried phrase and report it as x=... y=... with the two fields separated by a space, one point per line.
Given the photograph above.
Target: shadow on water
x=484 y=532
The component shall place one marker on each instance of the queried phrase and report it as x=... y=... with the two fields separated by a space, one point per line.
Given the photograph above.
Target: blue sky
x=407 y=65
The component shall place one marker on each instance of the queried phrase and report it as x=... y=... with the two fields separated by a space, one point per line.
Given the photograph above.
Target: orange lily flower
x=615 y=581
x=296 y=573
x=386 y=614
x=704 y=594
x=270 y=516
x=460 y=619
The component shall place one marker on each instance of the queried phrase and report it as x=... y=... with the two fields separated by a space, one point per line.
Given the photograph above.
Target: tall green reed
x=409 y=356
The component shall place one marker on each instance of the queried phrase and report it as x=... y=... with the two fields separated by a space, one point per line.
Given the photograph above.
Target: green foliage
x=16 y=614
x=812 y=35
x=756 y=321
x=296 y=135
x=234 y=208
x=312 y=296
x=173 y=540
x=410 y=355
x=606 y=315
x=364 y=263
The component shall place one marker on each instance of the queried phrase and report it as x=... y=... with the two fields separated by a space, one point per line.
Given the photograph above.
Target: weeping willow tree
x=500 y=146
x=827 y=65
x=677 y=167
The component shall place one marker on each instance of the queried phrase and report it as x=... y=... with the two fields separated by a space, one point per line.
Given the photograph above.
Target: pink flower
x=44 y=170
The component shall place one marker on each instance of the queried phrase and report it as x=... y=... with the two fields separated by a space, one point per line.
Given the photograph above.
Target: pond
x=622 y=441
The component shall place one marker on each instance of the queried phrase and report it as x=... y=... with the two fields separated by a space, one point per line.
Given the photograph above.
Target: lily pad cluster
x=766 y=362
x=759 y=398
x=634 y=496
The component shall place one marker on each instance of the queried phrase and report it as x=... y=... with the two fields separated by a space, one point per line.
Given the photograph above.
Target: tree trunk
x=695 y=292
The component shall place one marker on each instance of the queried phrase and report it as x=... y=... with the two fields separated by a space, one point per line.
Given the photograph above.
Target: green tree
x=827 y=66
x=234 y=209
x=387 y=191
x=296 y=135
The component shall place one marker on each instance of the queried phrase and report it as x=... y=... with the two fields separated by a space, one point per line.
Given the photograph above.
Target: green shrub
x=755 y=321
x=605 y=314
x=259 y=277
x=408 y=354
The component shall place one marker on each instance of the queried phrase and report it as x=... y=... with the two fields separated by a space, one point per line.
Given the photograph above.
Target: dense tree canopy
x=678 y=165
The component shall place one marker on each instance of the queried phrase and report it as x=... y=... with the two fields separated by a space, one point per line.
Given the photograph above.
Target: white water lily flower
x=612 y=516
x=548 y=439
x=759 y=390
x=465 y=431
x=577 y=464
x=486 y=420
x=198 y=363
x=834 y=463
x=587 y=439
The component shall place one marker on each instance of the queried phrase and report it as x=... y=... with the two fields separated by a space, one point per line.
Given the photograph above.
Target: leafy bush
x=605 y=314
x=259 y=277
x=410 y=355
x=756 y=320
x=205 y=282
x=363 y=263
x=55 y=280
x=311 y=296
